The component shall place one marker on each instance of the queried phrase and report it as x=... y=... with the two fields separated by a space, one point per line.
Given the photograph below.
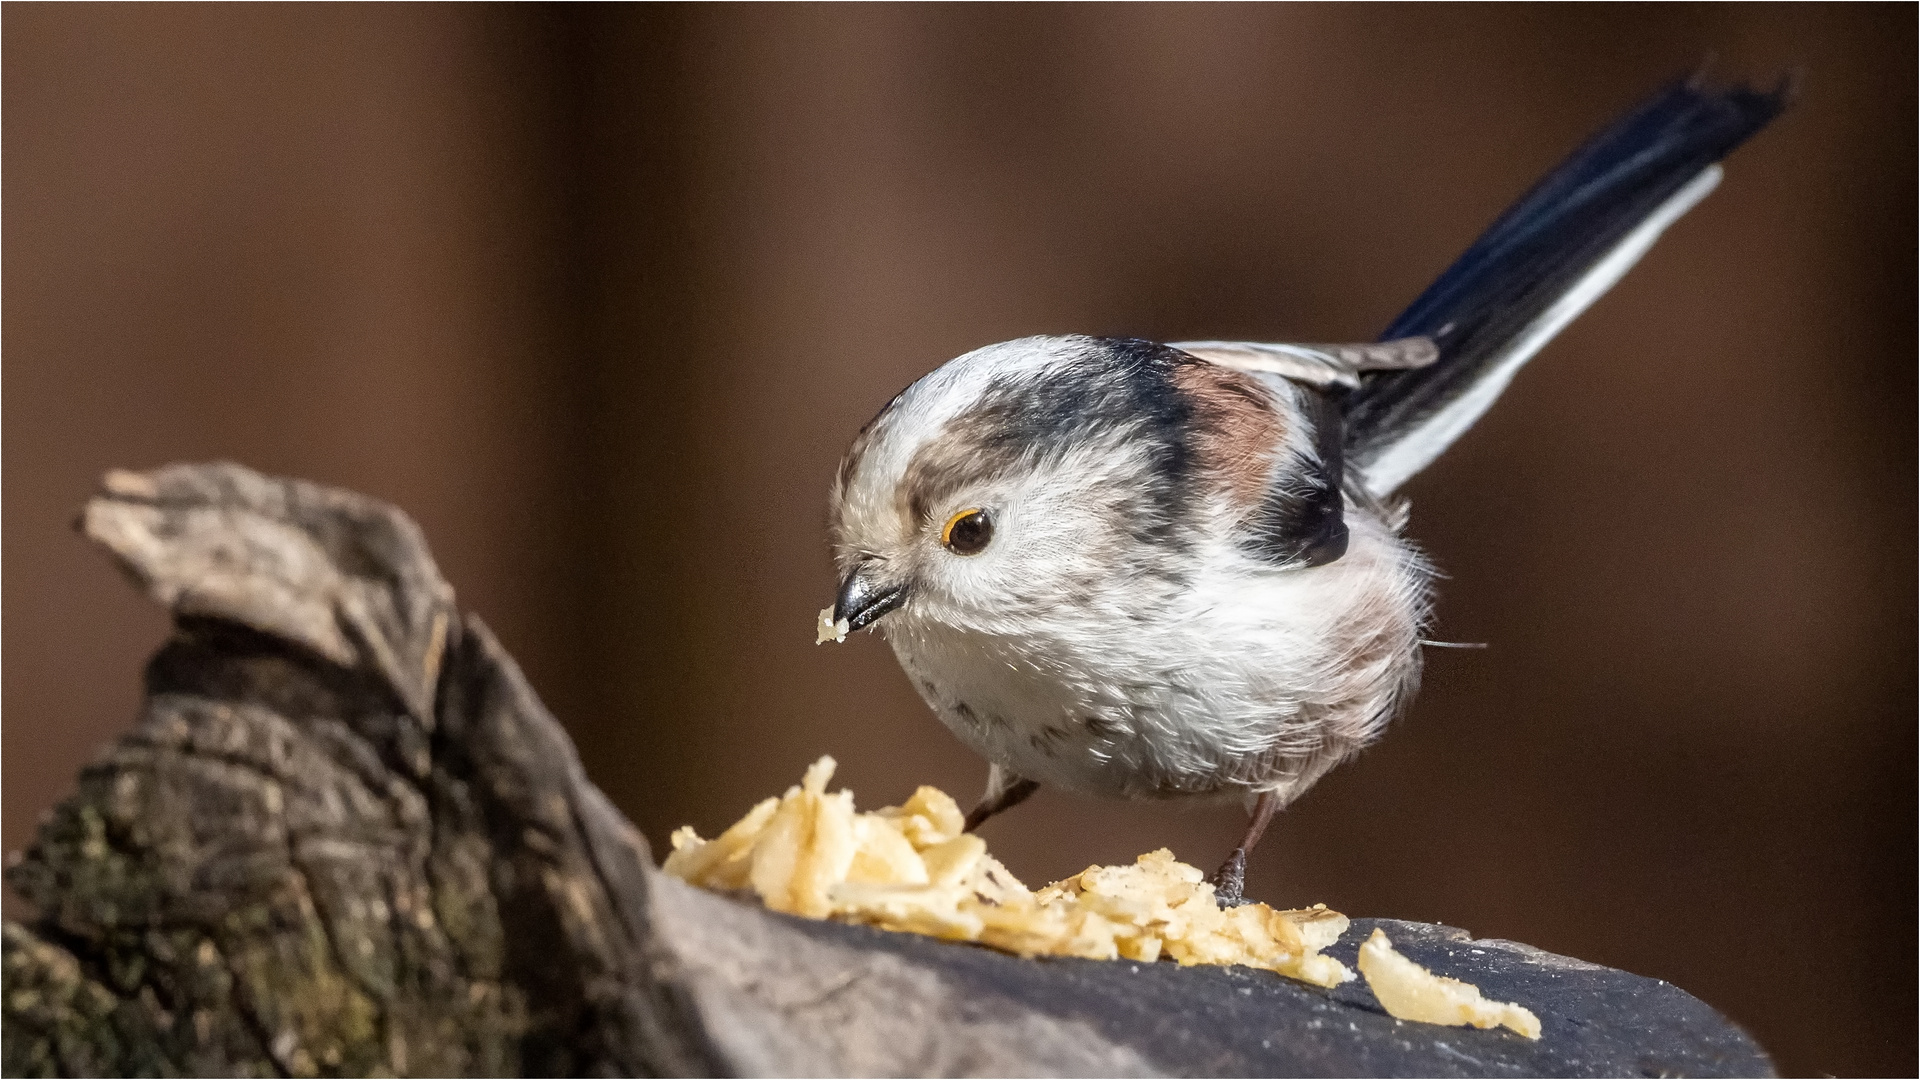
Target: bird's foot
x=978 y=816
x=1230 y=881
x=1004 y=790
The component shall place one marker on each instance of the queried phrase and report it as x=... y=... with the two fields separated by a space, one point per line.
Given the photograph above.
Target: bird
x=1143 y=570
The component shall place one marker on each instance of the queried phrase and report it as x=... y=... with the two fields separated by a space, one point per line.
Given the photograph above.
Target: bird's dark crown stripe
x=1110 y=389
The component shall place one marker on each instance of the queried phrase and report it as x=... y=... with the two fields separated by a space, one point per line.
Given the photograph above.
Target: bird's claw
x=1230 y=881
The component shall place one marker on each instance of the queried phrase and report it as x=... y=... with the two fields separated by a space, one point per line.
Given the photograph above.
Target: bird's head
x=1026 y=480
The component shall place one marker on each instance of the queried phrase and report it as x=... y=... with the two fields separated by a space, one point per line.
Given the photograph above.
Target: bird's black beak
x=861 y=601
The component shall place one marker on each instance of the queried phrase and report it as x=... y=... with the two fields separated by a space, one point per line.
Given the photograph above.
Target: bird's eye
x=967 y=532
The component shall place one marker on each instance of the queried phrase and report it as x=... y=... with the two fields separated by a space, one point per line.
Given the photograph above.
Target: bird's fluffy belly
x=1060 y=724
x=1103 y=728
x=1251 y=690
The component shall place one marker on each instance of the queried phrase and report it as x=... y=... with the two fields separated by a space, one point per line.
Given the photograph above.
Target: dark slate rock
x=1206 y=1021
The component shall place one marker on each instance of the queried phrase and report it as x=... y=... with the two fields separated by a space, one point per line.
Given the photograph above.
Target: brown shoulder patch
x=1237 y=429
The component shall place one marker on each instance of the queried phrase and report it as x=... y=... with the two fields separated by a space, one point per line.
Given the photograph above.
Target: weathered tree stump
x=345 y=838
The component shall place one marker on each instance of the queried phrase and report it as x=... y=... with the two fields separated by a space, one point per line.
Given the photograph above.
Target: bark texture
x=345 y=838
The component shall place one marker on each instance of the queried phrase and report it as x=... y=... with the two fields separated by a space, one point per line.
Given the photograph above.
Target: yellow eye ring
x=967 y=532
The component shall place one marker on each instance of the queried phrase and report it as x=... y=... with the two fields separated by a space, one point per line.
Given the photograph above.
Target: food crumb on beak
x=829 y=629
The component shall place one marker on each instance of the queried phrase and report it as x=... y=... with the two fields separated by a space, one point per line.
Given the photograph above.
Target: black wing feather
x=1302 y=521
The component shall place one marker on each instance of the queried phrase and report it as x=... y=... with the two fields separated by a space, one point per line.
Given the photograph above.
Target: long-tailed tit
x=1148 y=571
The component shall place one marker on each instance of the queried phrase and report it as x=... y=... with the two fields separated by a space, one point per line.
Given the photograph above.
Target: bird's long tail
x=1553 y=253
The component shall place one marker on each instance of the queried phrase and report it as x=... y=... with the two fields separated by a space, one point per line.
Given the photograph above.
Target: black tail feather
x=1537 y=253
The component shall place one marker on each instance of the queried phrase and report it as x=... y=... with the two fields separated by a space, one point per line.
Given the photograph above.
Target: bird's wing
x=1562 y=246
x=1320 y=366
x=1300 y=518
x=1268 y=434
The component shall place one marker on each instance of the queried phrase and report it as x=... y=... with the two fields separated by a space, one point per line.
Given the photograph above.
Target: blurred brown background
x=600 y=296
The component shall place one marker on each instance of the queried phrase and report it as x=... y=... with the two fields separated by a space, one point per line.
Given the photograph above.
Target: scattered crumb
x=911 y=868
x=830 y=629
x=1411 y=992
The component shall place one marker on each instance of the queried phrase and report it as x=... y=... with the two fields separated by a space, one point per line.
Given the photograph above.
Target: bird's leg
x=1004 y=790
x=1230 y=881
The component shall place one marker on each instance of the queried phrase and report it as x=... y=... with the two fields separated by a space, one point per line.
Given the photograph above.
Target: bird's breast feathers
x=1249 y=678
